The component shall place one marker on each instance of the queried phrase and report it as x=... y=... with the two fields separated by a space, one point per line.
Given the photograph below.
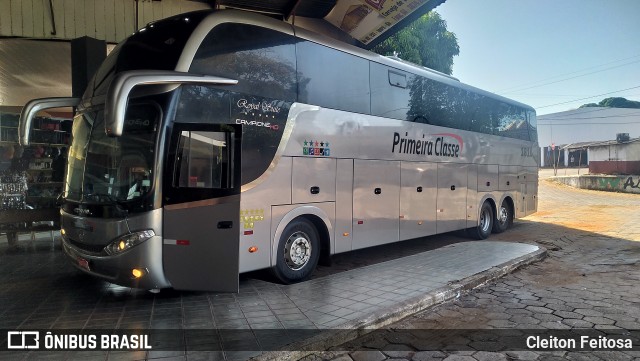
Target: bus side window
x=332 y=78
x=202 y=160
x=397 y=79
x=262 y=60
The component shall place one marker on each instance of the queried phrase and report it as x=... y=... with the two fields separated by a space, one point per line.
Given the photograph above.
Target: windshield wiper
x=105 y=198
x=101 y=197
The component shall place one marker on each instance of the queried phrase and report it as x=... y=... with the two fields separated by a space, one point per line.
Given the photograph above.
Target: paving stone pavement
x=589 y=281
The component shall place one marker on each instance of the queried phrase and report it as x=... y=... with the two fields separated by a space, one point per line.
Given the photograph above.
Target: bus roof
x=217 y=17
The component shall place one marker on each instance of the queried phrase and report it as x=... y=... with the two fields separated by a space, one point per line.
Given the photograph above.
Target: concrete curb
x=356 y=328
x=601 y=182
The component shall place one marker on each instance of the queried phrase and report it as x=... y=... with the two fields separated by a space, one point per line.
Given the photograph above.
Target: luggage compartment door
x=451 y=209
x=376 y=202
x=418 y=199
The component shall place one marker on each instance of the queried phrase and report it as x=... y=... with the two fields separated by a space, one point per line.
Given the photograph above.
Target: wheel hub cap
x=297 y=250
x=504 y=215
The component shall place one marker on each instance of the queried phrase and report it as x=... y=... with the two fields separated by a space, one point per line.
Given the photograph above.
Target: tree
x=426 y=42
x=614 y=102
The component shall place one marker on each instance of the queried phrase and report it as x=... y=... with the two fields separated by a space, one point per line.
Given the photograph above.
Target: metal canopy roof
x=309 y=8
x=367 y=22
x=24 y=76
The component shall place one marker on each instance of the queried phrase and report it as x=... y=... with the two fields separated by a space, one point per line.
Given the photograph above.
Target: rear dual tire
x=485 y=223
x=504 y=217
x=489 y=222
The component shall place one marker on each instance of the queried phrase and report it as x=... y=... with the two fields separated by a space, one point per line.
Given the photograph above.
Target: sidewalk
x=377 y=295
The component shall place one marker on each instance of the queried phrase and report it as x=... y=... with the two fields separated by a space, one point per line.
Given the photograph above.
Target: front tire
x=298 y=252
x=504 y=218
x=485 y=222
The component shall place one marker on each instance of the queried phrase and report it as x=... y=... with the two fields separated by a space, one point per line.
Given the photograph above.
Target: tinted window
x=533 y=125
x=332 y=79
x=482 y=113
x=262 y=60
x=511 y=122
x=157 y=47
x=436 y=103
x=262 y=119
x=388 y=99
x=202 y=104
x=202 y=160
x=444 y=105
x=397 y=79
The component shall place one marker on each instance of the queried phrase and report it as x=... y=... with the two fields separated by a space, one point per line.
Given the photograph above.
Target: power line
x=573 y=77
x=573 y=72
x=603 y=123
x=595 y=96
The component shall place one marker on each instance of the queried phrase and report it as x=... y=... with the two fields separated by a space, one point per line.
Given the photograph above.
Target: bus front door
x=201 y=227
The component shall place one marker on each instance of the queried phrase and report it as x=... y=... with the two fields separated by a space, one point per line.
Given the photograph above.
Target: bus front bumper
x=145 y=257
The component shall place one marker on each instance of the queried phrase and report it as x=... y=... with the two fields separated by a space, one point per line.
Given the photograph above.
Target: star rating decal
x=248 y=217
x=316 y=148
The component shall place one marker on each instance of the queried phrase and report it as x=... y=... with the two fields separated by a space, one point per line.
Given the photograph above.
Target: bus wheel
x=485 y=222
x=298 y=252
x=504 y=219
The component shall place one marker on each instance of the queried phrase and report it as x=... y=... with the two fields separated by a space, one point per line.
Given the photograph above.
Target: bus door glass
x=202 y=207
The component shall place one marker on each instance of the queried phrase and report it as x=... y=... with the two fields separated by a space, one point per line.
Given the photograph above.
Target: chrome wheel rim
x=485 y=221
x=503 y=215
x=297 y=250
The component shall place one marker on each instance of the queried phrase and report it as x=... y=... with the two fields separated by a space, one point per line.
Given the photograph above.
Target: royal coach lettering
x=444 y=145
x=259 y=106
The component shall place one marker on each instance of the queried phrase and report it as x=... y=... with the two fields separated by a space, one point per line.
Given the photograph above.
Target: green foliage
x=426 y=42
x=614 y=102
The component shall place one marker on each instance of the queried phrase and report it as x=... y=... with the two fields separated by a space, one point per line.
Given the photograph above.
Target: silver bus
x=220 y=142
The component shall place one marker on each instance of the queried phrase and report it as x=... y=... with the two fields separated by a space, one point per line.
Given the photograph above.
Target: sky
x=554 y=55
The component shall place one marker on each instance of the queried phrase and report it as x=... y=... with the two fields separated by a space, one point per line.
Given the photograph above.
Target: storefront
x=31 y=177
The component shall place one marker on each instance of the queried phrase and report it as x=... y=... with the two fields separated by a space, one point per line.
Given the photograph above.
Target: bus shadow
x=42 y=266
x=373 y=255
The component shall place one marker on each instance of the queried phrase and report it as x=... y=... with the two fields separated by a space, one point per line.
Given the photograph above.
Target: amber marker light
x=345 y=234
x=253 y=249
x=62 y=231
x=121 y=245
x=137 y=273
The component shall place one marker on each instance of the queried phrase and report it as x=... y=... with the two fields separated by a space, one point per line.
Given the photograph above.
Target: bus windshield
x=107 y=170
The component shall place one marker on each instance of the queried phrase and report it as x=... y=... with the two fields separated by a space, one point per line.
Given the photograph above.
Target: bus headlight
x=127 y=241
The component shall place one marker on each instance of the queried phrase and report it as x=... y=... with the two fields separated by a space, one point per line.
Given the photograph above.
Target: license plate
x=83 y=263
